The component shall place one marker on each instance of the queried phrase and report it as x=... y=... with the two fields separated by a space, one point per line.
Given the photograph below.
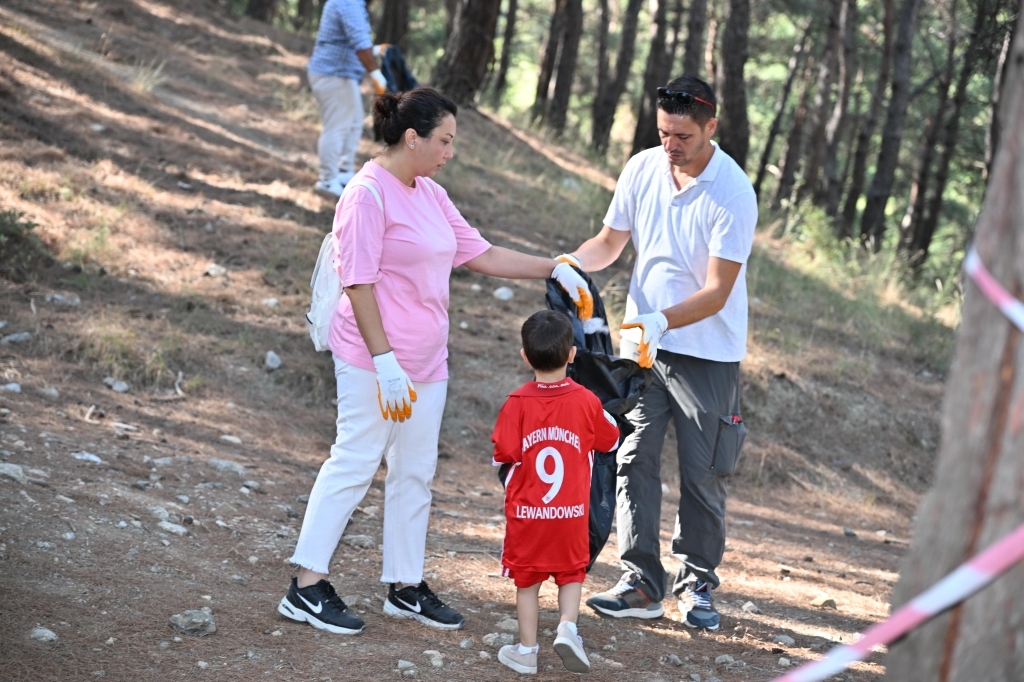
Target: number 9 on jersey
x=554 y=479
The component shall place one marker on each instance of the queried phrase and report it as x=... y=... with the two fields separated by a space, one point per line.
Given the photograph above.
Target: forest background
x=866 y=125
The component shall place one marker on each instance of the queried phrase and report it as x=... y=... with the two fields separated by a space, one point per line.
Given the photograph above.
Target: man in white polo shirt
x=690 y=211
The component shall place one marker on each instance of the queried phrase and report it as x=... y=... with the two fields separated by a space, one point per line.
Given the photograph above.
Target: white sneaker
x=569 y=646
x=333 y=187
x=522 y=663
x=345 y=177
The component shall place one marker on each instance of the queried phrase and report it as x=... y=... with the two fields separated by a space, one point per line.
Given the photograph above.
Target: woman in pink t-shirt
x=389 y=338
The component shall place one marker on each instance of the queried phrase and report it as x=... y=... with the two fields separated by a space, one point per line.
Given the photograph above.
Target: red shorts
x=524 y=579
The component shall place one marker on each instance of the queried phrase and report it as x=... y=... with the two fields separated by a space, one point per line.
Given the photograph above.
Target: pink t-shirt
x=407 y=253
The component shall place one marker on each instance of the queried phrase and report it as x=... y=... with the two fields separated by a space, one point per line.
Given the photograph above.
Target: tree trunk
x=451 y=8
x=501 y=80
x=677 y=25
x=834 y=131
x=655 y=75
x=872 y=228
x=610 y=89
x=981 y=36
x=867 y=129
x=305 y=10
x=461 y=70
x=995 y=127
x=695 y=22
x=780 y=107
x=567 y=56
x=794 y=144
x=977 y=496
x=919 y=189
x=394 y=23
x=710 y=45
x=548 y=61
x=822 y=106
x=261 y=10
x=734 y=126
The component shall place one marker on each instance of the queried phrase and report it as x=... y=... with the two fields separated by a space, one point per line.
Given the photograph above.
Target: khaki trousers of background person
x=341 y=116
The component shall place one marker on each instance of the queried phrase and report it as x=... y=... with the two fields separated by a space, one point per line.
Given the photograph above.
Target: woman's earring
x=411 y=146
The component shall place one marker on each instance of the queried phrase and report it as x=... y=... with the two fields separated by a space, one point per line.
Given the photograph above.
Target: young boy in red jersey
x=548 y=430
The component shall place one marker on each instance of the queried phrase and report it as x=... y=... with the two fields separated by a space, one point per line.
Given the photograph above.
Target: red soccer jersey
x=548 y=432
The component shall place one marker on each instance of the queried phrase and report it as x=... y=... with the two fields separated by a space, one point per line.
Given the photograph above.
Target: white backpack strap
x=361 y=182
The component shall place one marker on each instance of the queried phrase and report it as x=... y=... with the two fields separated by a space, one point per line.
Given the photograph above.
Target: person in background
x=690 y=211
x=389 y=339
x=342 y=54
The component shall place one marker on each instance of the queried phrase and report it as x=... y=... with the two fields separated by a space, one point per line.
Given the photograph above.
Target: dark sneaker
x=626 y=600
x=420 y=603
x=702 y=613
x=320 y=606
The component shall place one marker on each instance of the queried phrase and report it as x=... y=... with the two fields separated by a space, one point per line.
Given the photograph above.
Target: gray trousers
x=702 y=399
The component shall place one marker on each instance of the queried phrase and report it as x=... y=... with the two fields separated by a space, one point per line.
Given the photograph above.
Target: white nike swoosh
x=414 y=609
x=315 y=609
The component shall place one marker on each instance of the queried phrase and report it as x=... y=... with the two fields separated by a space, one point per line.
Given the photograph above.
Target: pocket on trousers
x=728 y=444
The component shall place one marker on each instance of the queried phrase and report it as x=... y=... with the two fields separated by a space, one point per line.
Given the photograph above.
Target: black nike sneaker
x=320 y=606
x=420 y=603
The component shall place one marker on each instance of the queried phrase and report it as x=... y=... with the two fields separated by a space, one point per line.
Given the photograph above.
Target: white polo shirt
x=675 y=232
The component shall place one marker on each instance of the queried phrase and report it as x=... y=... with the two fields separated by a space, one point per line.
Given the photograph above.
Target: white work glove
x=379 y=81
x=380 y=49
x=574 y=285
x=653 y=325
x=395 y=392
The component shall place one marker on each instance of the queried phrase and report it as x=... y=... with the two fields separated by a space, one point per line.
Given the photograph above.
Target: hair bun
x=385 y=105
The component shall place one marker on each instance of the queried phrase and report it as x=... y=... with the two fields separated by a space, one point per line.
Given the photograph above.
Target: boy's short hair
x=547 y=340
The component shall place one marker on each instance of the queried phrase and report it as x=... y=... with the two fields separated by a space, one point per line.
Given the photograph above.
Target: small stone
x=784 y=640
x=436 y=658
x=823 y=602
x=849 y=532
x=11 y=388
x=202 y=664
x=182 y=498
x=497 y=639
x=198 y=622
x=84 y=456
x=116 y=385
x=111 y=640
x=43 y=544
x=783 y=662
x=302 y=499
x=13 y=472
x=41 y=634
x=276 y=633
x=253 y=559
x=674 y=660
x=466 y=643
x=272 y=361
x=509 y=625
x=16 y=337
x=251 y=485
x=225 y=509
x=405 y=665
x=239 y=579
x=485 y=655
x=714 y=679
x=504 y=294
x=665 y=490
x=223 y=465
x=359 y=541
x=695 y=677
x=160 y=513
x=724 y=659
x=172 y=528
x=271 y=302
x=234 y=440
x=462 y=325
x=751 y=607
x=97 y=127
x=66 y=300
x=65 y=500
x=69 y=536
x=50 y=393
x=214 y=270
x=411 y=672
x=208 y=227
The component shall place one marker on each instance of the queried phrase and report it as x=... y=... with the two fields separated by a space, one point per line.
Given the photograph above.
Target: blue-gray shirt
x=344 y=29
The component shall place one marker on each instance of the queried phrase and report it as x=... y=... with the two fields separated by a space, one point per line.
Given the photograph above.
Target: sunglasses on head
x=685 y=98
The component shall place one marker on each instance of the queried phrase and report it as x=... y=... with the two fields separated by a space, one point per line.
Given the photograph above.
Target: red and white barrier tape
x=958 y=585
x=993 y=290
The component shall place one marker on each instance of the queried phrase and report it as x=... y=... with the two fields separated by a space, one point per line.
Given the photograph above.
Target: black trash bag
x=398 y=76
x=617 y=382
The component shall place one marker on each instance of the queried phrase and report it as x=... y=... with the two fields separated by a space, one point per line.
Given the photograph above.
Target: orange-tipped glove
x=380 y=49
x=653 y=325
x=379 y=81
x=395 y=392
x=574 y=285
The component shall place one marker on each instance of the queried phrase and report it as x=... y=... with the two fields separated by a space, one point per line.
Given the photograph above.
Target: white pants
x=341 y=115
x=363 y=438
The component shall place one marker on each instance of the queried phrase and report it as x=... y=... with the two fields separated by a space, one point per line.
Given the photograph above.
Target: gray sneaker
x=522 y=663
x=569 y=647
x=626 y=600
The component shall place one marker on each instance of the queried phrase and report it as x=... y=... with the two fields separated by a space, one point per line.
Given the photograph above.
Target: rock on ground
x=509 y=625
x=497 y=639
x=223 y=465
x=785 y=640
x=360 y=541
x=41 y=634
x=198 y=622
x=13 y=472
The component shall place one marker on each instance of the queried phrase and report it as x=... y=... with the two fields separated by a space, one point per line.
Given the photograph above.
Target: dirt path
x=152 y=140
